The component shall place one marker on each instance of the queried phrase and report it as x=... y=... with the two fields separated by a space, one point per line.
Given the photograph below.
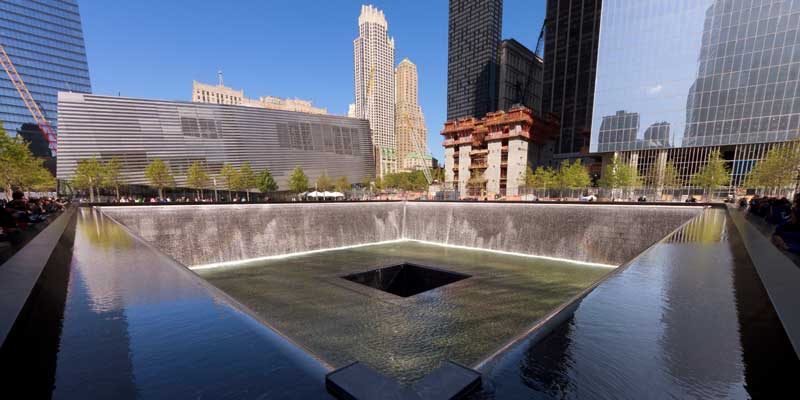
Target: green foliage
x=159 y=175
x=19 y=169
x=232 y=177
x=265 y=182
x=778 y=170
x=411 y=181
x=542 y=178
x=324 y=182
x=298 y=181
x=572 y=176
x=197 y=177
x=247 y=178
x=714 y=175
x=112 y=176
x=342 y=184
x=671 y=178
x=618 y=175
x=89 y=175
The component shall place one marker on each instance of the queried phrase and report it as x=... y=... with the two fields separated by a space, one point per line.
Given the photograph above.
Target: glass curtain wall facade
x=44 y=40
x=699 y=76
x=717 y=73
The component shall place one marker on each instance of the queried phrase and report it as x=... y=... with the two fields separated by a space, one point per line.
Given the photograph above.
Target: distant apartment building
x=373 y=52
x=490 y=155
x=44 y=41
x=221 y=94
x=570 y=63
x=138 y=131
x=474 y=29
x=520 y=77
x=409 y=121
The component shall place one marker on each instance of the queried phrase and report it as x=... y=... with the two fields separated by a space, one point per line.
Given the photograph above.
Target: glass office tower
x=677 y=79
x=44 y=41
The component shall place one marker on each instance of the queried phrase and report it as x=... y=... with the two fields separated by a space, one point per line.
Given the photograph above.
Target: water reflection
x=138 y=325
x=689 y=318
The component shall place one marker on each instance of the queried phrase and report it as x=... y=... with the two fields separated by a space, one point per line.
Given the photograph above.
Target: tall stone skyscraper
x=410 y=123
x=373 y=52
x=474 y=30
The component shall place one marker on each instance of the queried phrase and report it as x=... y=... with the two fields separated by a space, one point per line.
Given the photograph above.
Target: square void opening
x=406 y=279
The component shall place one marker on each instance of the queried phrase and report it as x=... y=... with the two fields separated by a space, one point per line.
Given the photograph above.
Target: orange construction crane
x=13 y=75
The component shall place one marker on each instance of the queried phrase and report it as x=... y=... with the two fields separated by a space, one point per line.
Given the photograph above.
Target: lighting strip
x=303 y=253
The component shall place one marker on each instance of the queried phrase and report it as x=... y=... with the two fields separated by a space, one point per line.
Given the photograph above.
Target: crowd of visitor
x=783 y=214
x=20 y=212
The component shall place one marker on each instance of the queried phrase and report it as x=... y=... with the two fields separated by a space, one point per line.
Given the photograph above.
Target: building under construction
x=489 y=156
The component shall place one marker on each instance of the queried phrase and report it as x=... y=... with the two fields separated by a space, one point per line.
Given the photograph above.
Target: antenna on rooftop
x=219 y=73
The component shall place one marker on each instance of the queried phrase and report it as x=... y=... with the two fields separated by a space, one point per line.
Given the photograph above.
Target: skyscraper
x=729 y=84
x=570 y=62
x=474 y=29
x=45 y=43
x=410 y=123
x=373 y=52
x=520 y=79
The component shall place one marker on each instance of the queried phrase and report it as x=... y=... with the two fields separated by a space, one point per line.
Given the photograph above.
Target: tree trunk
x=116 y=189
x=91 y=194
x=248 y=196
x=160 y=193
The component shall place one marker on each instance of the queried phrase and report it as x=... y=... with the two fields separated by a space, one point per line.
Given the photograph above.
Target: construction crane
x=421 y=150
x=27 y=98
x=522 y=94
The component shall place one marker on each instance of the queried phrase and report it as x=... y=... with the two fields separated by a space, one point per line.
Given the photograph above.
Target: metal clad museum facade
x=137 y=131
x=677 y=80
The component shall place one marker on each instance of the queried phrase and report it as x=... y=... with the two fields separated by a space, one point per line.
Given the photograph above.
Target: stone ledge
x=19 y=274
x=778 y=273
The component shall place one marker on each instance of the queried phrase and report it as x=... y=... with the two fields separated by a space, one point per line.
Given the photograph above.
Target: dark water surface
x=307 y=299
x=135 y=324
x=688 y=319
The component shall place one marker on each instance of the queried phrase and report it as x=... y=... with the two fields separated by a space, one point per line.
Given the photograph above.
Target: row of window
x=319 y=138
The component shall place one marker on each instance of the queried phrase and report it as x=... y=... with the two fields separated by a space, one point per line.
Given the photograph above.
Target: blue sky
x=303 y=49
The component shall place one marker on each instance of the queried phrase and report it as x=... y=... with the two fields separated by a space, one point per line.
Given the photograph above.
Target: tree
x=112 y=176
x=670 y=177
x=324 y=182
x=714 y=175
x=578 y=176
x=298 y=181
x=197 y=177
x=778 y=170
x=543 y=178
x=247 y=178
x=342 y=184
x=265 y=182
x=231 y=176
x=619 y=175
x=89 y=175
x=19 y=169
x=159 y=175
x=527 y=179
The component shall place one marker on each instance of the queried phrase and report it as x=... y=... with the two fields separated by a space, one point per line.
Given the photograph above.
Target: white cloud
x=655 y=89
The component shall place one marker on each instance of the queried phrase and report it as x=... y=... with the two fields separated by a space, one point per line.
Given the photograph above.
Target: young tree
x=778 y=170
x=112 y=175
x=619 y=175
x=543 y=178
x=265 y=182
x=528 y=179
x=247 y=178
x=197 y=177
x=298 y=181
x=713 y=176
x=19 y=168
x=324 y=182
x=578 y=176
x=561 y=180
x=671 y=179
x=342 y=184
x=89 y=175
x=231 y=176
x=159 y=175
